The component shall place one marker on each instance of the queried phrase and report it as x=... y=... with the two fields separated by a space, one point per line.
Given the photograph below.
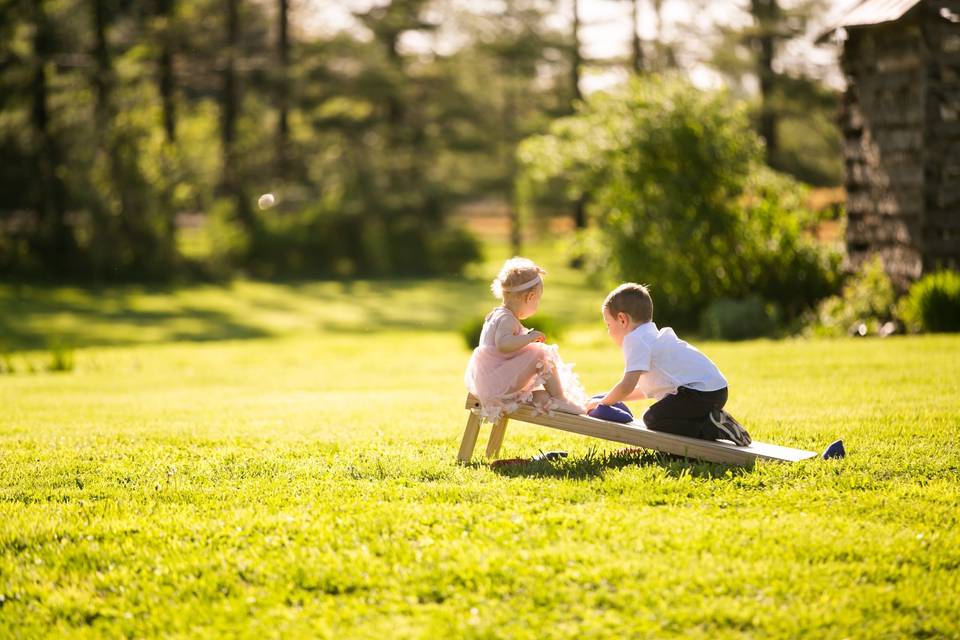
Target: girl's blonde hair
x=515 y=272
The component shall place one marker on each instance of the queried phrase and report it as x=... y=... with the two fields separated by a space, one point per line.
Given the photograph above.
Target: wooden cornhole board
x=634 y=433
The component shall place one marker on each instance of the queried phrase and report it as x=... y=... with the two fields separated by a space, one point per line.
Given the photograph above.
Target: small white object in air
x=266 y=201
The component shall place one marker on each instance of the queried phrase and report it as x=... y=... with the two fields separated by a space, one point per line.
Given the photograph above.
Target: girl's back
x=493 y=322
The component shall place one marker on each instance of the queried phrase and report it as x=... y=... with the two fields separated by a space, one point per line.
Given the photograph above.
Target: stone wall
x=883 y=115
x=941 y=229
x=901 y=124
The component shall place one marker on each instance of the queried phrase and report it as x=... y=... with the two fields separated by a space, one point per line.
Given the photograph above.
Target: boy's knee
x=649 y=419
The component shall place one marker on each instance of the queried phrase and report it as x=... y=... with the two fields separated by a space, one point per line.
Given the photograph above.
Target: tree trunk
x=666 y=57
x=579 y=207
x=228 y=96
x=231 y=184
x=765 y=14
x=635 y=33
x=166 y=80
x=576 y=59
x=510 y=116
x=166 y=84
x=283 y=86
x=396 y=110
x=55 y=238
x=121 y=221
x=103 y=74
x=510 y=145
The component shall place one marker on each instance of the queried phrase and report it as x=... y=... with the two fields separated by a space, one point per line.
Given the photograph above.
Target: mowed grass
x=301 y=482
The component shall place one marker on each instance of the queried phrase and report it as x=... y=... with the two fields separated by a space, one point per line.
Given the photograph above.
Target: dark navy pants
x=687 y=413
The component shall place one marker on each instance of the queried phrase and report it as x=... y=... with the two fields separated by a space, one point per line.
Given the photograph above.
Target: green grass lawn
x=279 y=460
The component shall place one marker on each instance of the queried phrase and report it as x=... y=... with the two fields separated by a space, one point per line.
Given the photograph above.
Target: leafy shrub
x=554 y=330
x=933 y=303
x=683 y=201
x=778 y=261
x=6 y=364
x=61 y=358
x=452 y=250
x=727 y=319
x=864 y=306
x=316 y=242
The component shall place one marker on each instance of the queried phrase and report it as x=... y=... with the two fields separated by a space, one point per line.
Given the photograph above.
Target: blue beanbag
x=618 y=412
x=835 y=450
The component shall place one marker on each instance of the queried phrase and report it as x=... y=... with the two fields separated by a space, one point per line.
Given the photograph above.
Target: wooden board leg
x=496 y=437
x=469 y=438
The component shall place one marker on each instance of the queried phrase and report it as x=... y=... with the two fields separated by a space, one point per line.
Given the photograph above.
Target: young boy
x=689 y=389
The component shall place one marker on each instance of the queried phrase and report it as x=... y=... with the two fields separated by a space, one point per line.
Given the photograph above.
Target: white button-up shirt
x=668 y=362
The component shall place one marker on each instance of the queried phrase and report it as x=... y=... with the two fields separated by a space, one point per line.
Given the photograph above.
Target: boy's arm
x=623 y=390
x=636 y=394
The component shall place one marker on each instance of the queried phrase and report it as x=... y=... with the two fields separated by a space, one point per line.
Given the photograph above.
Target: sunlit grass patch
x=275 y=459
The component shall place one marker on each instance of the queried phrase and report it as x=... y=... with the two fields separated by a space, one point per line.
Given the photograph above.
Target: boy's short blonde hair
x=515 y=272
x=632 y=299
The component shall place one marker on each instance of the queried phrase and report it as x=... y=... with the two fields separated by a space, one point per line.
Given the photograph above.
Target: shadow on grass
x=595 y=465
x=31 y=315
x=88 y=316
x=428 y=304
x=19 y=333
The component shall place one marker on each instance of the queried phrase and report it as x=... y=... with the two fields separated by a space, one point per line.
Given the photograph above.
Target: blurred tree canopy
x=793 y=110
x=124 y=123
x=119 y=120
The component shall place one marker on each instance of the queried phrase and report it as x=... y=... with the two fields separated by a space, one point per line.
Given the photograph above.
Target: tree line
x=121 y=118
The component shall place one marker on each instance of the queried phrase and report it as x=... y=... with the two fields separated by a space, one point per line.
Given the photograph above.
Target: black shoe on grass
x=548 y=455
x=729 y=428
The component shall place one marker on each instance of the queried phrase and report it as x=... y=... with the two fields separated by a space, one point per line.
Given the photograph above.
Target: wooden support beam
x=496 y=437
x=635 y=434
x=469 y=438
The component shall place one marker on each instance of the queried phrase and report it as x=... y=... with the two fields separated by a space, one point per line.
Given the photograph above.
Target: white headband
x=523 y=287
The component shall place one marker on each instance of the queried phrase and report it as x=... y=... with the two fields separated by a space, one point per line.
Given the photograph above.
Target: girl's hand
x=593 y=404
x=536 y=336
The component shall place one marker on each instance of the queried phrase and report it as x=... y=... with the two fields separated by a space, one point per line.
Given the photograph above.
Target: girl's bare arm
x=510 y=343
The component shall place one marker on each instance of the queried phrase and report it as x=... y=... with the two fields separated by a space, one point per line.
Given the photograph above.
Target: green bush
x=6 y=364
x=683 y=201
x=554 y=330
x=61 y=358
x=933 y=303
x=727 y=319
x=864 y=307
x=453 y=250
x=777 y=260
x=316 y=242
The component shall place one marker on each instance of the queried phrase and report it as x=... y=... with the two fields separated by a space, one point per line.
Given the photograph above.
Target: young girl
x=512 y=365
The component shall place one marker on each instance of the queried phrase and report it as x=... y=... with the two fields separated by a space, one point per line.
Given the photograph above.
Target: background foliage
x=122 y=120
x=669 y=166
x=137 y=136
x=933 y=303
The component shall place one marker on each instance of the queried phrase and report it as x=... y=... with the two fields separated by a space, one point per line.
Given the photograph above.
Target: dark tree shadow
x=20 y=311
x=451 y=301
x=596 y=464
x=26 y=308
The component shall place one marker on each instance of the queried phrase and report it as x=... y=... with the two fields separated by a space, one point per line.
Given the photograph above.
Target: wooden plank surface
x=636 y=434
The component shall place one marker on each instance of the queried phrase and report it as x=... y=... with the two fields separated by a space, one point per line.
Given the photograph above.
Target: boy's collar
x=644 y=327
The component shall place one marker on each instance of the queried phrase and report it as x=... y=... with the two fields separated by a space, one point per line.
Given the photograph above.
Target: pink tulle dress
x=502 y=381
